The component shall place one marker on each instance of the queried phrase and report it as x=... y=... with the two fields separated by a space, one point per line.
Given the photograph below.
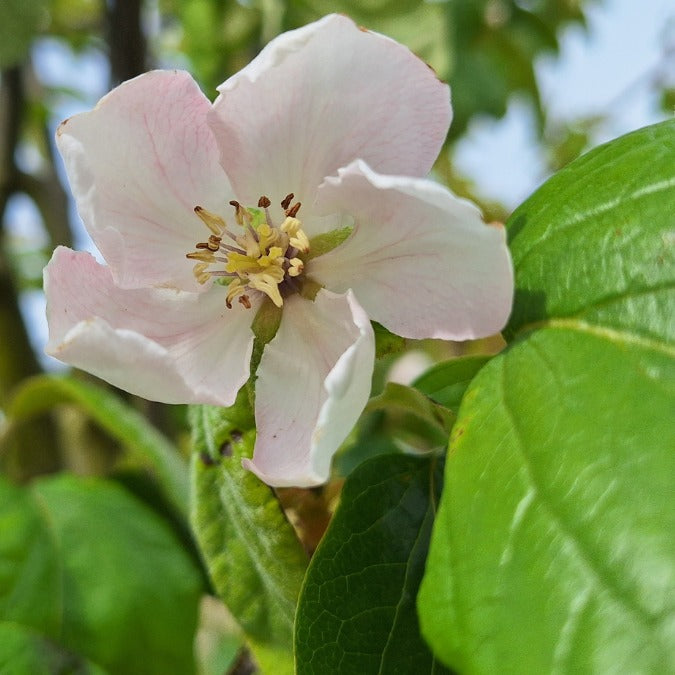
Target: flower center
x=264 y=257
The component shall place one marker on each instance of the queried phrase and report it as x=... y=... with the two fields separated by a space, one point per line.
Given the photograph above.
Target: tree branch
x=126 y=40
x=33 y=449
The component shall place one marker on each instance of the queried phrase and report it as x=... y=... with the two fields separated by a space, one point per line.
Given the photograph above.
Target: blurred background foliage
x=486 y=50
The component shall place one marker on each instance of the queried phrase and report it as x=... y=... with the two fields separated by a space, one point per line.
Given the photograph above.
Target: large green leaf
x=30 y=575
x=357 y=609
x=128 y=426
x=26 y=652
x=553 y=550
x=252 y=553
x=595 y=242
x=130 y=592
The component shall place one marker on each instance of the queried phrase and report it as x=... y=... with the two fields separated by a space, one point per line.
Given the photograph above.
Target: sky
x=602 y=69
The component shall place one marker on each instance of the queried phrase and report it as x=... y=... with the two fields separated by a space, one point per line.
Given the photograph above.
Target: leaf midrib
x=614 y=335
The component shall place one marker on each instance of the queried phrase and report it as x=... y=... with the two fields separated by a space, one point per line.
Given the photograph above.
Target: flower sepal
x=327 y=241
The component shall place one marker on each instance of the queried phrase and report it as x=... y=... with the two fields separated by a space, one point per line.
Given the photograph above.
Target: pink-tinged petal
x=318 y=97
x=313 y=382
x=419 y=260
x=163 y=344
x=138 y=164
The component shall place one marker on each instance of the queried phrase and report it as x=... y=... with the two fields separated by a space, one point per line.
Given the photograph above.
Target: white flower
x=346 y=120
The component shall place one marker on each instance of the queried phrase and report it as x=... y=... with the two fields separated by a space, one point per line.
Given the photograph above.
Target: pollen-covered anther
x=241 y=215
x=296 y=267
x=297 y=238
x=233 y=290
x=204 y=256
x=213 y=244
x=199 y=270
x=269 y=285
x=214 y=222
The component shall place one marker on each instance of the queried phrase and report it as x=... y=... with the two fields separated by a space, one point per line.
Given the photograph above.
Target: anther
x=264 y=257
x=215 y=223
x=213 y=243
x=286 y=202
x=237 y=212
x=296 y=267
x=293 y=211
x=264 y=203
x=240 y=213
x=204 y=256
x=199 y=270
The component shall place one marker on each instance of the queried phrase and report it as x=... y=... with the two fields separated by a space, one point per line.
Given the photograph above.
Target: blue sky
x=603 y=70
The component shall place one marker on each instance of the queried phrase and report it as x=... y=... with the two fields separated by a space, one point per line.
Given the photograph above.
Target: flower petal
x=163 y=344
x=419 y=260
x=317 y=98
x=138 y=164
x=313 y=382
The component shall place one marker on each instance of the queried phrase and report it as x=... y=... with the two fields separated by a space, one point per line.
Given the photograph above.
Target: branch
x=33 y=449
x=126 y=40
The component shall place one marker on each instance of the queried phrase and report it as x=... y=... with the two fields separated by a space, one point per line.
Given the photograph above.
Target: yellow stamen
x=296 y=268
x=271 y=258
x=301 y=242
x=265 y=259
x=199 y=270
x=268 y=285
x=241 y=214
x=292 y=226
x=214 y=222
x=268 y=236
x=249 y=244
x=240 y=263
x=233 y=290
x=204 y=256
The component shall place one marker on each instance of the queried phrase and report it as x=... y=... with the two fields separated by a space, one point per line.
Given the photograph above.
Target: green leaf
x=30 y=576
x=386 y=343
x=421 y=421
x=357 y=609
x=446 y=382
x=595 y=242
x=130 y=592
x=371 y=437
x=251 y=551
x=552 y=550
x=129 y=427
x=25 y=652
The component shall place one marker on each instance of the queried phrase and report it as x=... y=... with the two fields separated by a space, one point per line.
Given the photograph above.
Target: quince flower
x=319 y=146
